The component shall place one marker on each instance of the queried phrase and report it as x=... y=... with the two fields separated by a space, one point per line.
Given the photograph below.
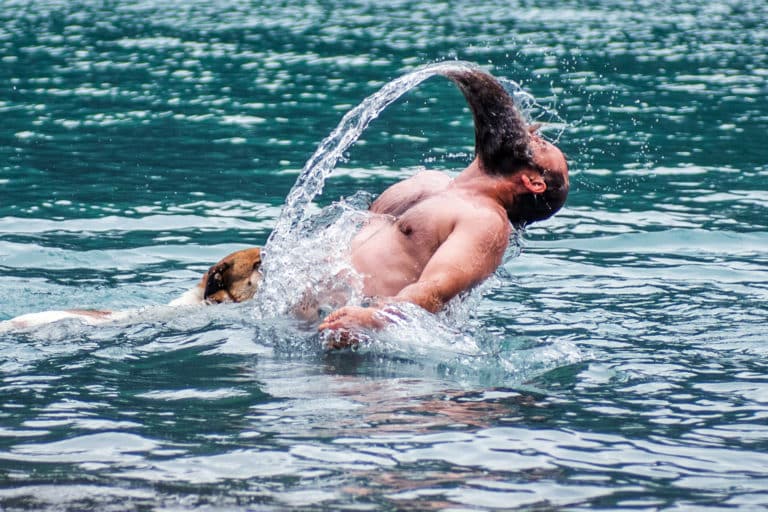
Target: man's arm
x=470 y=254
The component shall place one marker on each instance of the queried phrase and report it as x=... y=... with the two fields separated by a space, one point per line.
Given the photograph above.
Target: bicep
x=468 y=256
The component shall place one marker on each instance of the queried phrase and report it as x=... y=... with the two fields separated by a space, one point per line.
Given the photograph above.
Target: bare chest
x=427 y=223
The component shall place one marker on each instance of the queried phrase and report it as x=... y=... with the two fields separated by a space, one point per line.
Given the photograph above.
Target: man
x=437 y=236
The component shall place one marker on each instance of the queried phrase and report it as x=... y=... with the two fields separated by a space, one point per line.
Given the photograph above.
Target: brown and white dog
x=235 y=278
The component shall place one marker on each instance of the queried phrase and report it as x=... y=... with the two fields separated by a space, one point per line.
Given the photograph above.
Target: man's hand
x=351 y=318
x=345 y=321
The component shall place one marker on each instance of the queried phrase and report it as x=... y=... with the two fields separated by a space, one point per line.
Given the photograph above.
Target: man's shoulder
x=481 y=230
x=430 y=178
x=481 y=216
x=401 y=196
x=428 y=173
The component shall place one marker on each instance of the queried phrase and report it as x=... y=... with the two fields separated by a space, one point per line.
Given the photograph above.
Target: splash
x=307 y=256
x=322 y=163
x=289 y=237
x=319 y=167
x=533 y=111
x=280 y=250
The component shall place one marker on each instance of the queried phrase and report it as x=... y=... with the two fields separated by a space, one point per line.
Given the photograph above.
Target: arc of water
x=314 y=173
x=278 y=249
x=277 y=253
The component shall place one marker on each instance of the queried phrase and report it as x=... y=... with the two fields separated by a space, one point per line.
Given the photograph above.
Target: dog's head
x=233 y=279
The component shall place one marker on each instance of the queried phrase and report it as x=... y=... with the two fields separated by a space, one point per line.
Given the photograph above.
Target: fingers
x=352 y=317
x=338 y=324
x=329 y=323
x=324 y=326
x=346 y=326
x=335 y=320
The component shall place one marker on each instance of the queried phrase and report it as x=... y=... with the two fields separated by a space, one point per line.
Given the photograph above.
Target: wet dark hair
x=503 y=144
x=502 y=139
x=531 y=207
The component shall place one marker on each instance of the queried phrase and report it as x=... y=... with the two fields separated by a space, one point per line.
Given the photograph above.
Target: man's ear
x=534 y=183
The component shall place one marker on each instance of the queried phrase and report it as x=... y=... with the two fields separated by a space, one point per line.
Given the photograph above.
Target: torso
x=412 y=219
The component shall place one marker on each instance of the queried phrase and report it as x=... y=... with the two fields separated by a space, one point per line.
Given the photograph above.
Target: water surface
x=142 y=141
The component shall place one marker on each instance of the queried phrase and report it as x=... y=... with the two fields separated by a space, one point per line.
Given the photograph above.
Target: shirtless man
x=435 y=236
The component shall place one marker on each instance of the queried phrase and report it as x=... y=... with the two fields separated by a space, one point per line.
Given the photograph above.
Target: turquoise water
x=616 y=363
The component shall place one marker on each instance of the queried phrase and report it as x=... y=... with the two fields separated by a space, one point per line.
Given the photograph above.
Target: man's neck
x=498 y=189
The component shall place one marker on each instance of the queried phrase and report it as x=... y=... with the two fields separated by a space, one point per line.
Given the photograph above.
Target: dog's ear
x=234 y=278
x=217 y=283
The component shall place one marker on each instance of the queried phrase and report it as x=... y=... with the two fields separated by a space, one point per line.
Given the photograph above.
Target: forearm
x=380 y=312
x=430 y=294
x=427 y=295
